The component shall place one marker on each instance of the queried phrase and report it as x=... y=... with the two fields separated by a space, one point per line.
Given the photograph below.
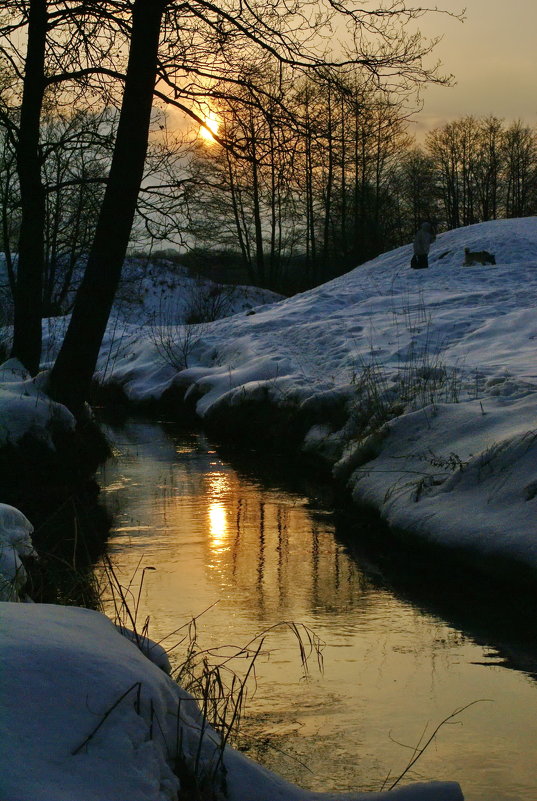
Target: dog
x=472 y=257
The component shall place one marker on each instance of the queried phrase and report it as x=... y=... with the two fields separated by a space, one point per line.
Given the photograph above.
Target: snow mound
x=26 y=409
x=163 y=288
x=15 y=541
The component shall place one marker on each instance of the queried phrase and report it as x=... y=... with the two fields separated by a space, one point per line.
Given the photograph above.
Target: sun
x=210 y=127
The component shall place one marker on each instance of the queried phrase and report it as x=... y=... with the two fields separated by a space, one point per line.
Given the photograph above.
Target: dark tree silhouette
x=73 y=370
x=31 y=254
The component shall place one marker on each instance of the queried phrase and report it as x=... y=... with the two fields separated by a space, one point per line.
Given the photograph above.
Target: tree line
x=293 y=194
x=482 y=169
x=350 y=182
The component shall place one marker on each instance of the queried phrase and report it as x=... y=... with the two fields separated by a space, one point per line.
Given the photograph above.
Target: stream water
x=254 y=544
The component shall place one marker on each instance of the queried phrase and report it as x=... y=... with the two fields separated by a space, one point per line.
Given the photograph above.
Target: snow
x=63 y=668
x=164 y=287
x=15 y=542
x=86 y=716
x=26 y=409
x=420 y=388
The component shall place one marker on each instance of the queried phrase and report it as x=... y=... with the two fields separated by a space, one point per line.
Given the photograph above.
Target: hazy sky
x=493 y=56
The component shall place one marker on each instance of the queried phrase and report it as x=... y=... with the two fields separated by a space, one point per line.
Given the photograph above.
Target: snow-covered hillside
x=446 y=358
x=163 y=289
x=470 y=318
x=151 y=287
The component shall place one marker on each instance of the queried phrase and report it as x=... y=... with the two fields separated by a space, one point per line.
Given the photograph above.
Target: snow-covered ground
x=420 y=388
x=152 y=298
x=15 y=542
x=163 y=288
x=25 y=408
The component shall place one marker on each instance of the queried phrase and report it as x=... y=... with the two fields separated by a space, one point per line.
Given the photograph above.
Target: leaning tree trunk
x=71 y=376
x=31 y=260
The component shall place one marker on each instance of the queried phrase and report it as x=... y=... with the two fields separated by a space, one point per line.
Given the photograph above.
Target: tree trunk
x=237 y=216
x=71 y=376
x=258 y=226
x=311 y=241
x=324 y=267
x=274 y=186
x=343 y=189
x=30 y=265
x=7 y=191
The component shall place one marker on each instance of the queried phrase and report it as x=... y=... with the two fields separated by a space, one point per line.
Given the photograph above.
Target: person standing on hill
x=422 y=242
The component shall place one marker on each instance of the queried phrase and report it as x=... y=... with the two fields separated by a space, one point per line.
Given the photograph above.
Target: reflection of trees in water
x=400 y=637
x=358 y=566
x=270 y=545
x=280 y=558
x=501 y=618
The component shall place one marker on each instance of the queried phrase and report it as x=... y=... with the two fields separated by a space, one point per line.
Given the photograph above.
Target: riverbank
x=416 y=390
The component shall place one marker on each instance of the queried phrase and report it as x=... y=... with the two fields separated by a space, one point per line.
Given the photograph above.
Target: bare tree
x=43 y=44
x=488 y=167
x=455 y=151
x=9 y=206
x=417 y=190
x=76 y=151
x=520 y=156
x=30 y=266
x=73 y=370
x=484 y=169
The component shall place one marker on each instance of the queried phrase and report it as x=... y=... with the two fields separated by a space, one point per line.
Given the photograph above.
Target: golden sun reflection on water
x=217 y=525
x=217 y=488
x=217 y=483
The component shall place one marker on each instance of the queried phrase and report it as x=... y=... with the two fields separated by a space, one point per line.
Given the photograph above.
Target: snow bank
x=167 y=290
x=63 y=669
x=462 y=475
x=26 y=409
x=15 y=541
x=85 y=715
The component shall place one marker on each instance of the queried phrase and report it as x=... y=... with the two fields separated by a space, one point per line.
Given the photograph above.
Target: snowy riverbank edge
x=86 y=715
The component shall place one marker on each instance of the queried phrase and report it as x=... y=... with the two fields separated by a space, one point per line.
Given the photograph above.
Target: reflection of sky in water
x=262 y=555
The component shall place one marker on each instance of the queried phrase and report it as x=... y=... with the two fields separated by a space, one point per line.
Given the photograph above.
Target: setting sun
x=209 y=127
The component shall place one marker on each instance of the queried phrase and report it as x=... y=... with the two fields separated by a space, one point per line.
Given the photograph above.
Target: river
x=257 y=542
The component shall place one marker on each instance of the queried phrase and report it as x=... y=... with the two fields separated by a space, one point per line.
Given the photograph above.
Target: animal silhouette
x=472 y=257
